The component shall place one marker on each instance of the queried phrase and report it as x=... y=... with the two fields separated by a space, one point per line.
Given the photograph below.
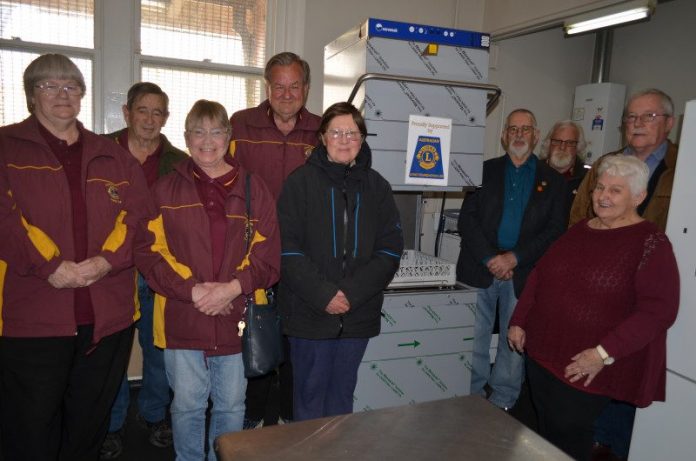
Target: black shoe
x=160 y=432
x=252 y=424
x=113 y=445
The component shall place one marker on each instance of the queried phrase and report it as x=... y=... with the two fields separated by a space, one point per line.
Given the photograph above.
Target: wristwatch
x=605 y=356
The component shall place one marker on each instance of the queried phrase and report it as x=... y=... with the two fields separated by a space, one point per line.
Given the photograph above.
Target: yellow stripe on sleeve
x=156 y=226
x=160 y=338
x=118 y=235
x=136 y=299
x=260 y=296
x=41 y=241
x=258 y=238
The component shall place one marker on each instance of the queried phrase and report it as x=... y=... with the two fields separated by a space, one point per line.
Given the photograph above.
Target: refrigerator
x=665 y=430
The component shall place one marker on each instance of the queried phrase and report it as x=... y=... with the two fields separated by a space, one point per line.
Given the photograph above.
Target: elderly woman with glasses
x=341 y=245
x=203 y=256
x=594 y=314
x=70 y=204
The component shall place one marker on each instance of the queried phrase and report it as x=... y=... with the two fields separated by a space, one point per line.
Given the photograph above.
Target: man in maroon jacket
x=272 y=140
x=276 y=137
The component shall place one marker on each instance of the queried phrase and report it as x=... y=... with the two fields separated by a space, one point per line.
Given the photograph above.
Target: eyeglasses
x=350 y=135
x=215 y=133
x=563 y=144
x=524 y=129
x=52 y=89
x=644 y=118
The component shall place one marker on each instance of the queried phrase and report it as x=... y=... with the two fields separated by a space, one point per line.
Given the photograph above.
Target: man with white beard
x=505 y=227
x=563 y=149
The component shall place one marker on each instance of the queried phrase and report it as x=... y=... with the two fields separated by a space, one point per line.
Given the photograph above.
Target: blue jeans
x=505 y=379
x=194 y=378
x=325 y=373
x=153 y=397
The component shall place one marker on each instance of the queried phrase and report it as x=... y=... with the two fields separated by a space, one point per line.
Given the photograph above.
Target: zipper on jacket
x=346 y=218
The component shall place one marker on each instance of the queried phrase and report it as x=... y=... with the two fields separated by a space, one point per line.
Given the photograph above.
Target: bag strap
x=249 y=231
x=247 y=197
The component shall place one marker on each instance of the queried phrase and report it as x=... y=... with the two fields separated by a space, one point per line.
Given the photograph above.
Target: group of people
x=576 y=267
x=103 y=233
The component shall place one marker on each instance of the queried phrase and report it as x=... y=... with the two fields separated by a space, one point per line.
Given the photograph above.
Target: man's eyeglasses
x=52 y=89
x=644 y=118
x=215 y=133
x=349 y=135
x=563 y=144
x=524 y=129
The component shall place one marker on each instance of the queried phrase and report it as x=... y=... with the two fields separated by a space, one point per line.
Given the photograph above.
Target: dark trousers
x=614 y=427
x=565 y=415
x=325 y=375
x=270 y=396
x=57 y=394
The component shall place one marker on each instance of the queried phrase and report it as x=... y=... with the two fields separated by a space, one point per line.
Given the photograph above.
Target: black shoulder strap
x=247 y=197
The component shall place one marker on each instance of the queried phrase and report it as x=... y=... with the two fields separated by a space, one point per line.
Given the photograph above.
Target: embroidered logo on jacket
x=112 y=190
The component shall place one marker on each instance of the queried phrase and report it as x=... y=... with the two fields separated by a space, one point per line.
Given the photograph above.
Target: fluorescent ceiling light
x=607 y=17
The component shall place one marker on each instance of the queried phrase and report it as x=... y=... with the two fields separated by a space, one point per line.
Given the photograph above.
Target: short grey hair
x=48 y=66
x=287 y=58
x=546 y=143
x=521 y=110
x=634 y=170
x=665 y=100
x=141 y=89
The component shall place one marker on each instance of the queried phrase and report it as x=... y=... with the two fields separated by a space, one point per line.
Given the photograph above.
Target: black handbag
x=262 y=338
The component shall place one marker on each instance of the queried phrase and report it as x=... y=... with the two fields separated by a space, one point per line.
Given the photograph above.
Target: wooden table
x=461 y=428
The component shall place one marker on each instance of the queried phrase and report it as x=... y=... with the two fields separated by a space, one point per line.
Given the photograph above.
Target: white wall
x=511 y=16
x=659 y=53
x=539 y=72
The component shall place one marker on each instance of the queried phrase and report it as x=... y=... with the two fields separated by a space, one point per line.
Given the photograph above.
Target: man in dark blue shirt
x=505 y=227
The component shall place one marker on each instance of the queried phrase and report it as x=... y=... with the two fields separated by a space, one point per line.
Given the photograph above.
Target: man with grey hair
x=276 y=137
x=505 y=227
x=647 y=120
x=563 y=149
x=272 y=140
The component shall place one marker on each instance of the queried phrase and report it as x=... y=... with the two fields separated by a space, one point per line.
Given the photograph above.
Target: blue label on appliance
x=428 y=34
x=427 y=161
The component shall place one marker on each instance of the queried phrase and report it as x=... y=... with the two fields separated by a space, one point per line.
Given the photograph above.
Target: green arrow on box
x=414 y=344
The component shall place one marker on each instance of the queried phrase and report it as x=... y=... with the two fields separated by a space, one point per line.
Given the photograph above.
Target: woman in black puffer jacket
x=341 y=245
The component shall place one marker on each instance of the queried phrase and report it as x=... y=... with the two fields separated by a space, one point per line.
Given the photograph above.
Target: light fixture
x=610 y=16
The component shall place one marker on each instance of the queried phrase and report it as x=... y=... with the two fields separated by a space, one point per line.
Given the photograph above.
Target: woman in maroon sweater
x=594 y=314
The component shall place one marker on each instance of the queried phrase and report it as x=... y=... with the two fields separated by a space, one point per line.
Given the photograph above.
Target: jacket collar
x=185 y=170
x=339 y=172
x=92 y=144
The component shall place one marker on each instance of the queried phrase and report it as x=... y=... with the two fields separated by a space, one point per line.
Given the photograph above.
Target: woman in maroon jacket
x=196 y=257
x=70 y=205
x=594 y=314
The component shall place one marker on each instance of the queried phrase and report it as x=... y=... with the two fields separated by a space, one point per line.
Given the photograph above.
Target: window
x=203 y=49
x=26 y=27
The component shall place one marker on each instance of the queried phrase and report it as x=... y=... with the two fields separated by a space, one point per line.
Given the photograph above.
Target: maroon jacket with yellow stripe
x=36 y=232
x=261 y=148
x=174 y=253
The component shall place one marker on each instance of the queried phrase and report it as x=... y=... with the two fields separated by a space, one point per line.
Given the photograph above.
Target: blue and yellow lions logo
x=427 y=163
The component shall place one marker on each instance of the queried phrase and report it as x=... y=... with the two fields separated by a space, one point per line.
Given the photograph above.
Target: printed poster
x=428 y=150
